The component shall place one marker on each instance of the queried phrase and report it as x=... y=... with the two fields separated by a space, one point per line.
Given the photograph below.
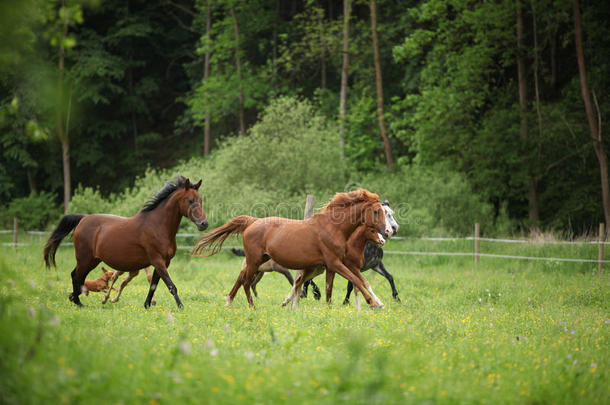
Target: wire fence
x=475 y=253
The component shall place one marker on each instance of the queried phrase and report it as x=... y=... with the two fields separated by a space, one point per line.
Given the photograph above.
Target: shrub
x=430 y=200
x=87 y=200
x=33 y=212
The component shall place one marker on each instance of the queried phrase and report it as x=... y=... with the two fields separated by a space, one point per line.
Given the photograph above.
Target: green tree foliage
x=137 y=99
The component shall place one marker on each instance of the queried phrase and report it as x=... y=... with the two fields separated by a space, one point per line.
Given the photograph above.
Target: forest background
x=457 y=111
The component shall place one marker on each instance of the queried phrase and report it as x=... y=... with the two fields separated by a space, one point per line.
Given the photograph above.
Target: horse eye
x=190 y=201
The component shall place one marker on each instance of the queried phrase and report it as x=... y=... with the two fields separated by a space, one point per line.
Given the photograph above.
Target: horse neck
x=357 y=240
x=168 y=215
x=353 y=221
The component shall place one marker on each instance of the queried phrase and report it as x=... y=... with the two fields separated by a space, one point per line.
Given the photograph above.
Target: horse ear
x=187 y=184
x=386 y=202
x=196 y=186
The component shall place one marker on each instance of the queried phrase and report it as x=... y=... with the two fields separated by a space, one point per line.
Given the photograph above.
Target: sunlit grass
x=509 y=332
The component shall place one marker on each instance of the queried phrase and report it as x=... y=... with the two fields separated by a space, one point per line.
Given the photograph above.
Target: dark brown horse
x=130 y=244
x=301 y=244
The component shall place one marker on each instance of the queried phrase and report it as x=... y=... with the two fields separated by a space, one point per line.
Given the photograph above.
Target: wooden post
x=15 y=233
x=602 y=238
x=477 y=244
x=309 y=204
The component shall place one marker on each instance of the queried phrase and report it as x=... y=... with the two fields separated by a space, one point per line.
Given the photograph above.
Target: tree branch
x=181 y=7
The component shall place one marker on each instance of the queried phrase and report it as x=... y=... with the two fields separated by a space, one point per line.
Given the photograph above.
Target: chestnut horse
x=354 y=259
x=130 y=244
x=301 y=244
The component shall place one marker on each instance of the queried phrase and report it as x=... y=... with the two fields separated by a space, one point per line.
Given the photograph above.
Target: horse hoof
x=114 y=300
x=228 y=301
x=397 y=299
x=75 y=300
x=346 y=302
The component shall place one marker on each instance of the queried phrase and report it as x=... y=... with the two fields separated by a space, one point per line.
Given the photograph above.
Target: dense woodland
x=510 y=96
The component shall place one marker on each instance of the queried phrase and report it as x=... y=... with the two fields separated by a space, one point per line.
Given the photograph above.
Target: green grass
x=500 y=334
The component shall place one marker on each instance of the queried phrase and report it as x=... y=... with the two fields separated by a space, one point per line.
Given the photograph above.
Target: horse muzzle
x=202 y=225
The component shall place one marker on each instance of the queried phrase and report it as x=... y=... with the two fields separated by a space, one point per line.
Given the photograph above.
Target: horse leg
x=307 y=275
x=154 y=281
x=79 y=274
x=257 y=277
x=113 y=279
x=296 y=295
x=337 y=266
x=367 y=285
x=130 y=277
x=296 y=287
x=231 y=296
x=286 y=274
x=305 y=286
x=350 y=287
x=251 y=269
x=380 y=268
x=315 y=290
x=162 y=269
x=330 y=277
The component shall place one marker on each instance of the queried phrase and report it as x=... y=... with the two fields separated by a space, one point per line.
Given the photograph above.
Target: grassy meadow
x=507 y=332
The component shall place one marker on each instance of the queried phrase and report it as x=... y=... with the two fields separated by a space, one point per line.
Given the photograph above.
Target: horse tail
x=215 y=238
x=65 y=226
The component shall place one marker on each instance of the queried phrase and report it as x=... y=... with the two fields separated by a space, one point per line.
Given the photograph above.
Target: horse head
x=374 y=236
x=374 y=217
x=389 y=217
x=190 y=205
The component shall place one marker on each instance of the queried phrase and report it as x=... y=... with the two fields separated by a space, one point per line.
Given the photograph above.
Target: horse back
x=289 y=242
x=113 y=239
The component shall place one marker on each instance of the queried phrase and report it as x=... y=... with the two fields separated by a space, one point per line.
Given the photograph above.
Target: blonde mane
x=345 y=200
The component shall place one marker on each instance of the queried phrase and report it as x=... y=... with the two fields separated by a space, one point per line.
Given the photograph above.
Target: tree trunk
x=379 y=84
x=31 y=182
x=206 y=75
x=134 y=125
x=347 y=7
x=322 y=47
x=242 y=124
x=275 y=29
x=594 y=125
x=61 y=133
x=532 y=194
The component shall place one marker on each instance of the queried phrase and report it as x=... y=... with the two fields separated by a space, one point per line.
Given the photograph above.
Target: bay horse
x=301 y=244
x=130 y=244
x=354 y=258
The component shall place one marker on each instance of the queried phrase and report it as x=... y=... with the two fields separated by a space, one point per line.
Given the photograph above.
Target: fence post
x=602 y=238
x=15 y=233
x=309 y=204
x=477 y=246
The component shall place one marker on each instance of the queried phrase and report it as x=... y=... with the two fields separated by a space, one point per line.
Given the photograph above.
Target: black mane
x=164 y=193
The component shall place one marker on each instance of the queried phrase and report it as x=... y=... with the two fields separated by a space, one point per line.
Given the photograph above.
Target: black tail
x=65 y=226
x=238 y=252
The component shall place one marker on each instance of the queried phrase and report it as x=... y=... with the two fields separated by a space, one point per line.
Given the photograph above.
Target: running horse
x=131 y=244
x=320 y=240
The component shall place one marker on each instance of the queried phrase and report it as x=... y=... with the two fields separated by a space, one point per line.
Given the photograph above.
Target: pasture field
x=509 y=332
